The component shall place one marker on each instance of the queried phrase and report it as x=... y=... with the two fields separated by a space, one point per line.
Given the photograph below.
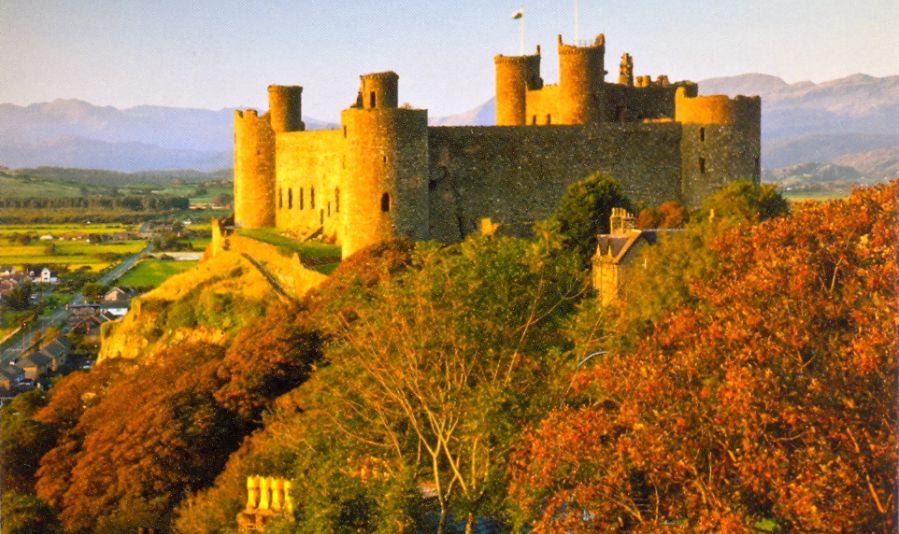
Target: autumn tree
x=768 y=403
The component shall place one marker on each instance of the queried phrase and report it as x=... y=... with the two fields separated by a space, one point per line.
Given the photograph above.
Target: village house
x=618 y=252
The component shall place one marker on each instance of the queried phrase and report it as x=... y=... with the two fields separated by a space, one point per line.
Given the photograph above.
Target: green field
x=151 y=273
x=38 y=187
x=817 y=196
x=306 y=249
x=65 y=228
x=72 y=254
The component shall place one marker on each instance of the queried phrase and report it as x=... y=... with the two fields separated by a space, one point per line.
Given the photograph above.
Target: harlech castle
x=384 y=172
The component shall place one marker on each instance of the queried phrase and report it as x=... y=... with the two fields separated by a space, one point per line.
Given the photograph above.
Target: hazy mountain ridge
x=75 y=133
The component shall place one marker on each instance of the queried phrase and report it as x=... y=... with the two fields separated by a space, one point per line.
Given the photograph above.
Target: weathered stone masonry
x=385 y=173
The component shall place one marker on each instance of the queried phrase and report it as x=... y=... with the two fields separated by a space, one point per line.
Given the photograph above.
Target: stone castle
x=384 y=172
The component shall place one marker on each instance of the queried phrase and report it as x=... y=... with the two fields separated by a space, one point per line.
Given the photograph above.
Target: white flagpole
x=521 y=35
x=577 y=13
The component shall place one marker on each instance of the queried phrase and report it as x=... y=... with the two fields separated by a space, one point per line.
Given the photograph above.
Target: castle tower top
x=285 y=108
x=581 y=76
x=379 y=90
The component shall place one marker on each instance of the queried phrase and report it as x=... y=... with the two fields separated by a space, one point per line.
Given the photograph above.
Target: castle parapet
x=717 y=109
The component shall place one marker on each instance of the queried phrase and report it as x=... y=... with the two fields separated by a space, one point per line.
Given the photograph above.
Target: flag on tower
x=517 y=14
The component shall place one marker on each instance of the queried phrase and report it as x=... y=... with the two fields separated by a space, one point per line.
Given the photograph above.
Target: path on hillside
x=11 y=348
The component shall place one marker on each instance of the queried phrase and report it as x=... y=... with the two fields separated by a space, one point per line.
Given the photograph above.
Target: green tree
x=26 y=514
x=93 y=292
x=24 y=440
x=20 y=297
x=743 y=200
x=584 y=211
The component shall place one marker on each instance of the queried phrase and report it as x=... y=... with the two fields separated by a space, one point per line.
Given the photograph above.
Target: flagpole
x=521 y=36
x=576 y=21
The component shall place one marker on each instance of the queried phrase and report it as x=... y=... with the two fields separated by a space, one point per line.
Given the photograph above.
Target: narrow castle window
x=384 y=159
x=549 y=119
x=371 y=99
x=758 y=165
x=702 y=134
x=312 y=198
x=337 y=199
x=534 y=120
x=289 y=198
x=344 y=132
x=385 y=202
x=280 y=198
x=701 y=165
x=329 y=209
x=301 y=198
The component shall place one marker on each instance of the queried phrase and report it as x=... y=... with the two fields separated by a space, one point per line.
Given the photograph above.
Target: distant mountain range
x=74 y=133
x=846 y=126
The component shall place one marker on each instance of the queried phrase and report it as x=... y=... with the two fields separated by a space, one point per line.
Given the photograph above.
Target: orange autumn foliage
x=769 y=403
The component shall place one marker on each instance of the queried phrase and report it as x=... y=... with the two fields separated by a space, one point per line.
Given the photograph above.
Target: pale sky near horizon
x=223 y=53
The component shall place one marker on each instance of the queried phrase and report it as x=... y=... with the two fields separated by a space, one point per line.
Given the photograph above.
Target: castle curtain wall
x=307 y=162
x=516 y=175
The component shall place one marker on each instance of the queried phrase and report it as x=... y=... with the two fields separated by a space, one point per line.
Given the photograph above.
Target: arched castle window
x=385 y=202
x=337 y=200
x=289 y=198
x=312 y=198
x=301 y=198
x=280 y=198
x=702 y=134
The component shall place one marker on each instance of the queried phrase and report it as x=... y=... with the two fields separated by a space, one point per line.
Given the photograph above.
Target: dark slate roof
x=39 y=359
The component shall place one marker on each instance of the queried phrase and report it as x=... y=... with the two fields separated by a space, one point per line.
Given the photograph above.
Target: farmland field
x=151 y=273
x=58 y=253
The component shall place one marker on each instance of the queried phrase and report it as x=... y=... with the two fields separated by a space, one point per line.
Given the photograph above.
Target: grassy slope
x=152 y=273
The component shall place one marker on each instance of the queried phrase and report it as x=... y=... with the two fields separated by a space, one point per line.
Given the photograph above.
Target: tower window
x=534 y=120
x=337 y=200
x=312 y=198
x=549 y=119
x=280 y=198
x=301 y=198
x=329 y=209
x=384 y=159
x=385 y=202
x=701 y=165
x=702 y=134
x=289 y=198
x=344 y=132
x=371 y=99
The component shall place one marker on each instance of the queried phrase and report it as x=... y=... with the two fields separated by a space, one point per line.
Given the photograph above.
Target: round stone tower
x=254 y=170
x=380 y=90
x=514 y=76
x=385 y=175
x=581 y=75
x=285 y=108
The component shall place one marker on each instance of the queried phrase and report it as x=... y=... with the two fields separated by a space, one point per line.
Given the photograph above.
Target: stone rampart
x=516 y=175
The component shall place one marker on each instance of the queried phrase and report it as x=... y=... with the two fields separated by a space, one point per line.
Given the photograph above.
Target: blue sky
x=222 y=53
